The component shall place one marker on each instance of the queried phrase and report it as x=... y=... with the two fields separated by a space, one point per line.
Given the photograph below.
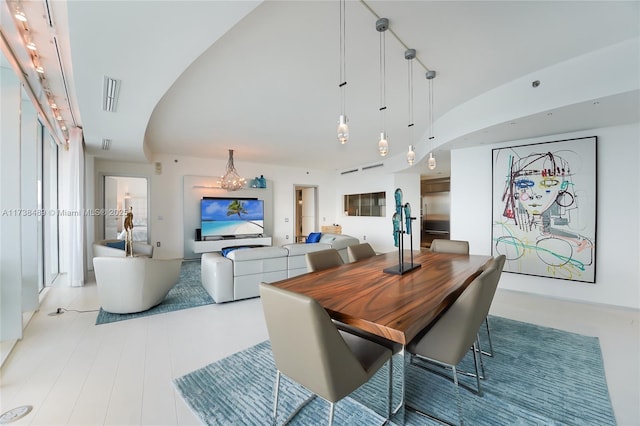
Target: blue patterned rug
x=538 y=376
x=188 y=293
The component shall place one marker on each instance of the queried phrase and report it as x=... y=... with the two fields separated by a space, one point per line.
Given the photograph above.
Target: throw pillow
x=117 y=244
x=314 y=237
x=225 y=251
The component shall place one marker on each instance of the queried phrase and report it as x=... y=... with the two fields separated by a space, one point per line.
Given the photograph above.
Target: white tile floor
x=74 y=372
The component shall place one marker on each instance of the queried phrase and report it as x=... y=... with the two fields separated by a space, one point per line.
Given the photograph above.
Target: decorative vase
x=262 y=182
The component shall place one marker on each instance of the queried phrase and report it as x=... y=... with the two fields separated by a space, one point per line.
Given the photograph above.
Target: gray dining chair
x=450 y=246
x=462 y=247
x=323 y=259
x=360 y=251
x=446 y=342
x=309 y=349
x=498 y=263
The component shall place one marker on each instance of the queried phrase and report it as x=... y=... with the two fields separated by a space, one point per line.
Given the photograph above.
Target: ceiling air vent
x=373 y=166
x=106 y=144
x=110 y=92
x=346 y=172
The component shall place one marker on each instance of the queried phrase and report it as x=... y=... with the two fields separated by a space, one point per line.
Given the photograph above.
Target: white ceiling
x=202 y=77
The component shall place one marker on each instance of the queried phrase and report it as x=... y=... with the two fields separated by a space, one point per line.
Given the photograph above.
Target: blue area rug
x=187 y=293
x=538 y=376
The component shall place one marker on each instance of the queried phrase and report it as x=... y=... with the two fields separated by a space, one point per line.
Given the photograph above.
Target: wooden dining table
x=393 y=306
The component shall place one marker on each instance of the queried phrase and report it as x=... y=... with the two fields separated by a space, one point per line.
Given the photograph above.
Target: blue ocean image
x=232 y=217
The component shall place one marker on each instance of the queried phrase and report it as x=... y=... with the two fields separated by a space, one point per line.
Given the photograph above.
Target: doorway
x=306 y=211
x=122 y=194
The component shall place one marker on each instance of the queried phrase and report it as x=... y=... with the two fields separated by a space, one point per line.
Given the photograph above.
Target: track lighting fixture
x=343 y=128
x=409 y=55
x=432 y=161
x=382 y=25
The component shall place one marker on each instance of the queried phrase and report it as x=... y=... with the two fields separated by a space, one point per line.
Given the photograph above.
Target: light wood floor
x=74 y=372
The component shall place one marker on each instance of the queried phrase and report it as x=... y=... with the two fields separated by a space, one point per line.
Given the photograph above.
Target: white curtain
x=72 y=221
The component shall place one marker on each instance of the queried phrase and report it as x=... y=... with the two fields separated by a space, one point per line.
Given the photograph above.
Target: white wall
x=166 y=194
x=167 y=198
x=618 y=217
x=378 y=231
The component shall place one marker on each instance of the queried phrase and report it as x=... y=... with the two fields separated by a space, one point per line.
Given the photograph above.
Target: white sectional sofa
x=237 y=275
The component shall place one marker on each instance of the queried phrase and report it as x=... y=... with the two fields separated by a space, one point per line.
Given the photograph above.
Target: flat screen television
x=231 y=217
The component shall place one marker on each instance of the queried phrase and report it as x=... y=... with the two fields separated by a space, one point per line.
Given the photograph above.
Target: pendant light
x=411 y=156
x=343 y=128
x=409 y=55
x=431 y=163
x=382 y=25
x=232 y=181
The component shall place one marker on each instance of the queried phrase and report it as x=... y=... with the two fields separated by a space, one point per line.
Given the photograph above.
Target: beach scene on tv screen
x=226 y=217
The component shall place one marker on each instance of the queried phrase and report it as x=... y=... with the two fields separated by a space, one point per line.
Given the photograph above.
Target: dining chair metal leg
x=478 y=348
x=490 y=351
x=276 y=392
x=477 y=354
x=458 y=398
x=276 y=389
x=390 y=390
x=331 y=413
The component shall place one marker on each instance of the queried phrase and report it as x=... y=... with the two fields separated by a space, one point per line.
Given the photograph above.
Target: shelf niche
x=197 y=187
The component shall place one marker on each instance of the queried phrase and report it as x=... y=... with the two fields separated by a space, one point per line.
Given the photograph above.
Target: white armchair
x=102 y=248
x=134 y=284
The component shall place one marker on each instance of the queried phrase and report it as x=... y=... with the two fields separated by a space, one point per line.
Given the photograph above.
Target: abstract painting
x=544 y=208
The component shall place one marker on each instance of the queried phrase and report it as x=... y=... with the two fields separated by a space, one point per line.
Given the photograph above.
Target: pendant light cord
x=383 y=78
x=431 y=111
x=343 y=56
x=410 y=55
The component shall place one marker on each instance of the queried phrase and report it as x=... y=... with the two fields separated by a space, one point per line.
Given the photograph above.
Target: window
x=367 y=204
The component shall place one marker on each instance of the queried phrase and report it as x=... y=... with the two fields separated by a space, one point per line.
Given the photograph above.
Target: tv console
x=218 y=245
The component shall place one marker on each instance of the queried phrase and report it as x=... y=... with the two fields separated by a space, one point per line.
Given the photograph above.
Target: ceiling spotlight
x=31 y=46
x=58 y=117
x=54 y=105
x=39 y=69
x=20 y=16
